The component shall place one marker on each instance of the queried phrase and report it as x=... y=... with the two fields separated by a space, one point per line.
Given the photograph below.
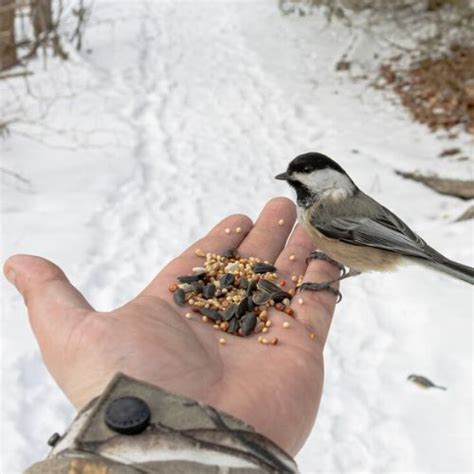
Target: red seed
x=172 y=288
x=282 y=283
x=278 y=306
x=289 y=311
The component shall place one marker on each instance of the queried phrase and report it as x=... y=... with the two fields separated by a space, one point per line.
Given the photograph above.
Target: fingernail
x=11 y=275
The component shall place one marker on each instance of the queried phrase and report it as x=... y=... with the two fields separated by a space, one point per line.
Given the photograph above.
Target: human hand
x=276 y=389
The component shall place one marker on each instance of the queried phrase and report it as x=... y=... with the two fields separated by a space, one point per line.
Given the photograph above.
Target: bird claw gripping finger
x=326 y=258
x=320 y=287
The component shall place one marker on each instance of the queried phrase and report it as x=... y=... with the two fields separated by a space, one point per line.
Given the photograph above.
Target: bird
x=423 y=382
x=352 y=230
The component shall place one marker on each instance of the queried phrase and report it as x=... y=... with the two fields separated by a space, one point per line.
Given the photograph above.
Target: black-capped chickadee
x=351 y=228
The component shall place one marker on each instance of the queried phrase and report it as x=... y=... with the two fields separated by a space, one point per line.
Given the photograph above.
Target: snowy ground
x=183 y=112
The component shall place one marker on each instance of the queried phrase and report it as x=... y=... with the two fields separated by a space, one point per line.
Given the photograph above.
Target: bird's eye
x=307 y=169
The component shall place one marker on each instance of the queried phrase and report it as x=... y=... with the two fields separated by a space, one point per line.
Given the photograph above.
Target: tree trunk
x=8 y=57
x=41 y=17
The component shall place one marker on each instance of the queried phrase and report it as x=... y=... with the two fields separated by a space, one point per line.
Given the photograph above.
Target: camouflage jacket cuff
x=136 y=427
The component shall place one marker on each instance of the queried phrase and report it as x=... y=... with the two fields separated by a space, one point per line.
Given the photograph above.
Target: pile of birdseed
x=234 y=293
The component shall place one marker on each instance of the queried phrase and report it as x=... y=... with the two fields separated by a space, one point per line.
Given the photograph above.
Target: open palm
x=276 y=389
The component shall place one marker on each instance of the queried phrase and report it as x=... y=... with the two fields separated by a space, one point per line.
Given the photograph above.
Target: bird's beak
x=283 y=176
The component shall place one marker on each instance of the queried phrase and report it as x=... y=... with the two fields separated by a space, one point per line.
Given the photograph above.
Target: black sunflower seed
x=244 y=283
x=260 y=297
x=189 y=278
x=209 y=290
x=226 y=280
x=211 y=313
x=248 y=323
x=252 y=286
x=280 y=296
x=230 y=312
x=233 y=326
x=263 y=268
x=197 y=286
x=267 y=286
x=179 y=297
x=231 y=253
x=250 y=303
x=242 y=308
x=274 y=291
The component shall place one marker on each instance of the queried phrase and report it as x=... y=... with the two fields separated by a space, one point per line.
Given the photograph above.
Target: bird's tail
x=454 y=269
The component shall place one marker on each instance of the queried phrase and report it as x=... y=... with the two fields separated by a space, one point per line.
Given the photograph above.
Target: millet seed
x=292 y=257
x=188 y=316
x=227 y=230
x=286 y=324
x=221 y=340
x=281 y=221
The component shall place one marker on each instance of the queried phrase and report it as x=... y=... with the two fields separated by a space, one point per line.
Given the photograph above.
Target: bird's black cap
x=308 y=162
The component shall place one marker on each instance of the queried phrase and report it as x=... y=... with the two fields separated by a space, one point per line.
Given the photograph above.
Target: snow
x=182 y=113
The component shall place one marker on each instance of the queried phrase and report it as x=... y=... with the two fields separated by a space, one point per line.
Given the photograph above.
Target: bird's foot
x=325 y=285
x=322 y=256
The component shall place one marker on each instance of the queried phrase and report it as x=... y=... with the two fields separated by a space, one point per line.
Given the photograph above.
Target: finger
x=317 y=308
x=270 y=233
x=52 y=301
x=291 y=263
x=228 y=234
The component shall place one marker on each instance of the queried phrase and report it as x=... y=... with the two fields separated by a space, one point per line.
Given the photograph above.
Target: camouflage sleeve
x=135 y=427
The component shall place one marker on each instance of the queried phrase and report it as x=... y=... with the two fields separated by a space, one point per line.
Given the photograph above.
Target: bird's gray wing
x=384 y=231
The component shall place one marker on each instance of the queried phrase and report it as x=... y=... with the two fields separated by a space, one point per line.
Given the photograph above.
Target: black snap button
x=127 y=415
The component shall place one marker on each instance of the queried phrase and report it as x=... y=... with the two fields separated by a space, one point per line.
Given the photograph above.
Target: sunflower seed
x=260 y=297
x=209 y=291
x=263 y=268
x=230 y=312
x=280 y=296
x=179 y=297
x=211 y=313
x=244 y=283
x=242 y=308
x=275 y=292
x=267 y=286
x=252 y=286
x=189 y=278
x=197 y=286
x=231 y=253
x=233 y=325
x=199 y=270
x=226 y=280
x=248 y=323
x=250 y=303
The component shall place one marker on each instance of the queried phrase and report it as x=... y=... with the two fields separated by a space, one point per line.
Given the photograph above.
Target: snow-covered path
x=208 y=101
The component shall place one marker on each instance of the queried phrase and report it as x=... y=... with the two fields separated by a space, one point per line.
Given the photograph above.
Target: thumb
x=55 y=307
